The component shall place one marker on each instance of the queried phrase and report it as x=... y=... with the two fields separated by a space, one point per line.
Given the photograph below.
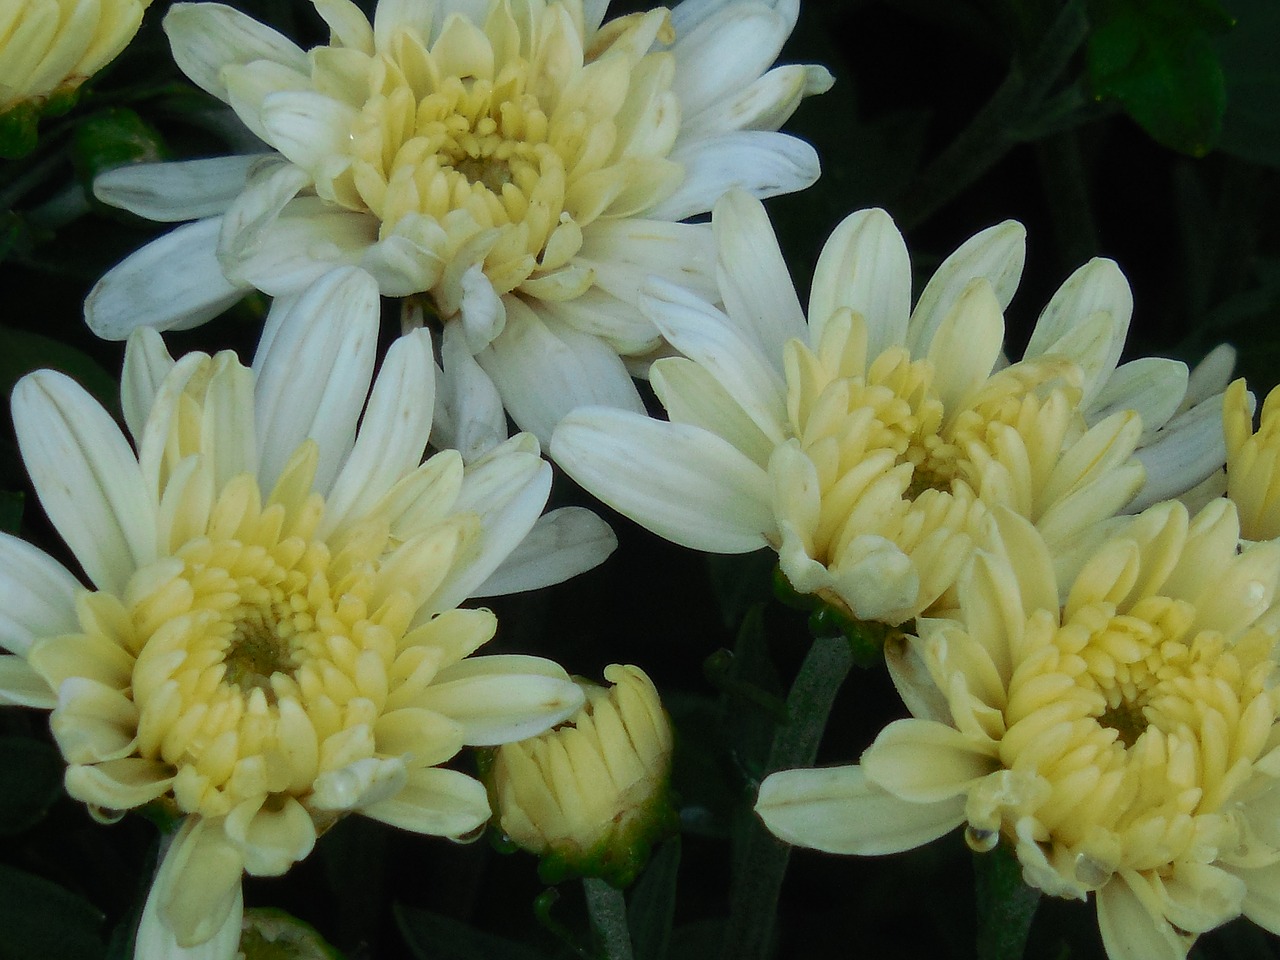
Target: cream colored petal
x=1200 y=896
x=1098 y=287
x=926 y=762
x=422 y=738
x=692 y=395
x=997 y=254
x=358 y=784
x=119 y=784
x=763 y=163
x=1211 y=375
x=561 y=544
x=504 y=698
x=468 y=410
x=726 y=52
x=543 y=369
x=837 y=809
x=1132 y=928
x=21 y=686
x=1262 y=895
x=271 y=837
x=347 y=24
x=307 y=127
x=197 y=888
x=683 y=483
x=310 y=238
x=37 y=595
x=146 y=364
x=392 y=16
x=93 y=722
x=267 y=190
x=443 y=803
x=1153 y=387
x=176 y=191
x=764 y=104
x=173 y=283
x=876 y=579
x=156 y=938
x=624 y=253
x=967 y=344
x=864 y=266
x=754 y=283
x=207 y=37
x=86 y=477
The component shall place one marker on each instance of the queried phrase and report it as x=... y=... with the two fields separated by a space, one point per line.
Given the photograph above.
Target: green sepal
x=19 y=129
x=1156 y=58
x=114 y=138
x=866 y=638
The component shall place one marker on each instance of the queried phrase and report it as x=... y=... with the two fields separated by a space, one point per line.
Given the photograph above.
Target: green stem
x=1006 y=905
x=608 y=911
x=996 y=128
x=762 y=860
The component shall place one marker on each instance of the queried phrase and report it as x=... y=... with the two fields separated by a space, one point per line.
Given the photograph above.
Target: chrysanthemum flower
x=272 y=638
x=49 y=47
x=517 y=164
x=867 y=445
x=1124 y=743
x=591 y=796
x=1253 y=462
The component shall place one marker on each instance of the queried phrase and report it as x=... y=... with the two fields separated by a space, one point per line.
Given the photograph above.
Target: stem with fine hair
x=762 y=860
x=607 y=908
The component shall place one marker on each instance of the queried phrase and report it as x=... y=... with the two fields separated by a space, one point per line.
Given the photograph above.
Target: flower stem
x=1006 y=905
x=608 y=911
x=762 y=859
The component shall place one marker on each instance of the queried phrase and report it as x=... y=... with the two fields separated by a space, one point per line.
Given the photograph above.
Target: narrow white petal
x=268 y=188
x=1211 y=375
x=501 y=699
x=1131 y=929
x=86 y=477
x=392 y=16
x=625 y=253
x=838 y=810
x=469 y=417
x=347 y=24
x=307 y=240
x=724 y=349
x=692 y=395
x=393 y=431
x=967 y=344
x=307 y=127
x=765 y=104
x=21 y=686
x=997 y=254
x=544 y=369
x=37 y=595
x=763 y=163
x=683 y=483
x=561 y=545
x=146 y=364
x=616 y=322
x=206 y=37
x=864 y=266
x=1153 y=387
x=437 y=802
x=689 y=14
x=193 y=911
x=753 y=277
x=1189 y=448
x=725 y=53
x=172 y=192
x=330 y=334
x=173 y=283
x=1097 y=287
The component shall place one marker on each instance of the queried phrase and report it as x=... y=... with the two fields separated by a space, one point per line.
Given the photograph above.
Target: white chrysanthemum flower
x=867 y=445
x=50 y=47
x=1125 y=743
x=517 y=164
x=272 y=637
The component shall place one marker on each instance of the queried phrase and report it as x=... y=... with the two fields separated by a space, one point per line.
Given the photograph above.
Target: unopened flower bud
x=591 y=796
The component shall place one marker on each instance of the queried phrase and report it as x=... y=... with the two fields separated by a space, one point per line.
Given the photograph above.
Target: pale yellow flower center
x=511 y=138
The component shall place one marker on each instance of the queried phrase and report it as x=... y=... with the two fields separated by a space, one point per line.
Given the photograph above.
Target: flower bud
x=591 y=796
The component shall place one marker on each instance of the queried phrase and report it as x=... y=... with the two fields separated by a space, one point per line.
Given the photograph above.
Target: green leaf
x=434 y=937
x=1251 y=127
x=1006 y=905
x=18 y=129
x=31 y=772
x=22 y=351
x=43 y=921
x=114 y=138
x=653 y=903
x=1157 y=59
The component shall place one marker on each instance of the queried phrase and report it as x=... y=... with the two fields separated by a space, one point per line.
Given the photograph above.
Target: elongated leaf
x=42 y=921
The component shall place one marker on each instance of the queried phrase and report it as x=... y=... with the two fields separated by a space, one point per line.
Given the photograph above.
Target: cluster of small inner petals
x=510 y=138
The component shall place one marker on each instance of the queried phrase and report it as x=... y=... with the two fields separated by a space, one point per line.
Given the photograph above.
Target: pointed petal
x=146 y=364
x=442 y=803
x=182 y=190
x=725 y=53
x=37 y=595
x=206 y=37
x=469 y=417
x=562 y=544
x=195 y=895
x=1131 y=927
x=925 y=762
x=501 y=699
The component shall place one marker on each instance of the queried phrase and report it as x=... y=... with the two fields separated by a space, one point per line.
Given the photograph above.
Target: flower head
x=1124 y=742
x=516 y=165
x=867 y=445
x=272 y=638
x=49 y=47
x=591 y=796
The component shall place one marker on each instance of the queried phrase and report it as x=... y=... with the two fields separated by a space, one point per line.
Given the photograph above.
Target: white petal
x=172 y=192
x=393 y=431
x=692 y=395
x=173 y=283
x=925 y=762
x=544 y=369
x=997 y=254
x=725 y=53
x=625 y=253
x=268 y=188
x=443 y=803
x=502 y=699
x=764 y=104
x=753 y=277
x=729 y=353
x=470 y=418
x=37 y=595
x=348 y=26
x=1211 y=375
x=838 y=810
x=763 y=163
x=146 y=364
x=21 y=686
x=194 y=907
x=86 y=477
x=392 y=16
x=307 y=127
x=864 y=266
x=1189 y=448
x=562 y=544
x=206 y=37
x=683 y=483
x=331 y=333
x=1131 y=930
x=483 y=312
x=1153 y=387
x=307 y=240
x=1096 y=287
